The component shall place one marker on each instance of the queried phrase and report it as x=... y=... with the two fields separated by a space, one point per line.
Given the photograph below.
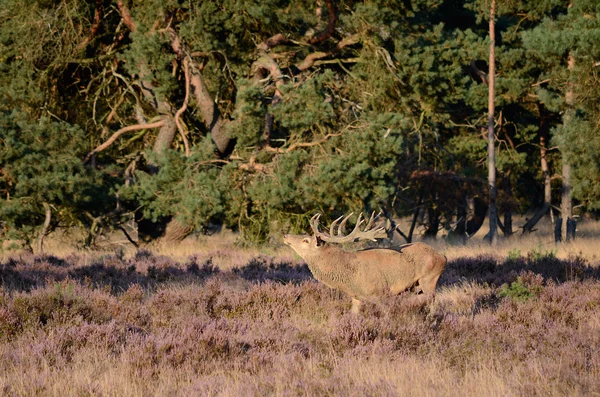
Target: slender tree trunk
x=544 y=130
x=566 y=205
x=415 y=217
x=493 y=193
x=433 y=224
x=508 y=229
x=44 y=231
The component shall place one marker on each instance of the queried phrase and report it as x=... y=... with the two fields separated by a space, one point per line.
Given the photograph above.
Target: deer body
x=371 y=273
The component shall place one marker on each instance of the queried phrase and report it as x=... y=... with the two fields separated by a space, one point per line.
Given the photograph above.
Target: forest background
x=254 y=115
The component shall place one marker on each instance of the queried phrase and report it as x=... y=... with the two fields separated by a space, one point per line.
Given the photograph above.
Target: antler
x=368 y=233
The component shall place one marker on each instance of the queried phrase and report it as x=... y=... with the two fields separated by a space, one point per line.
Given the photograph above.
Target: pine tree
x=567 y=43
x=244 y=114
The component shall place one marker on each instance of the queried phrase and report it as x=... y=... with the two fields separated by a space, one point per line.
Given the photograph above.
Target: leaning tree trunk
x=547 y=206
x=213 y=119
x=493 y=193
x=175 y=231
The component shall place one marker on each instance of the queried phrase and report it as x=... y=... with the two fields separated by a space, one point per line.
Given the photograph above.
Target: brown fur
x=368 y=274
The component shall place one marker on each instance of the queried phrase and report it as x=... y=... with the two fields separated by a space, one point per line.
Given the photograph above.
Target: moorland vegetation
x=85 y=324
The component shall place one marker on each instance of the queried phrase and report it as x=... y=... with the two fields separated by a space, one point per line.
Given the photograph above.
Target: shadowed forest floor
x=236 y=322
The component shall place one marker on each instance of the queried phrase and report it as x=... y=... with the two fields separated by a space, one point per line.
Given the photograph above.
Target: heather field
x=229 y=322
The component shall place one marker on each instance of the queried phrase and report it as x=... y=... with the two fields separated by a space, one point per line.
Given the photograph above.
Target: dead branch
x=302 y=144
x=337 y=60
x=184 y=107
x=120 y=132
x=213 y=120
x=272 y=41
x=330 y=30
x=541 y=82
x=252 y=167
x=310 y=59
x=213 y=161
x=98 y=16
x=112 y=114
x=126 y=15
x=268 y=63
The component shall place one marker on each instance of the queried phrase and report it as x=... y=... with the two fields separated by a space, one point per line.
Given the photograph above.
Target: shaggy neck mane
x=331 y=265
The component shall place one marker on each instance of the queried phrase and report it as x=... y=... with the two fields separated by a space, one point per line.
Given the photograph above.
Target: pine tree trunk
x=166 y=135
x=508 y=229
x=566 y=205
x=547 y=206
x=205 y=103
x=493 y=193
x=44 y=231
x=433 y=224
x=544 y=127
x=175 y=232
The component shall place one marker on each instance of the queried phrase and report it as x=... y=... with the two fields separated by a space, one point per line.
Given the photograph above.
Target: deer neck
x=332 y=266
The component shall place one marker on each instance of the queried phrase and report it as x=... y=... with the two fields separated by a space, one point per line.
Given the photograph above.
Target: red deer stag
x=367 y=274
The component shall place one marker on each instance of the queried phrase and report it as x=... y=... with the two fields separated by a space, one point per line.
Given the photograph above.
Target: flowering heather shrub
x=497 y=271
x=149 y=325
x=62 y=303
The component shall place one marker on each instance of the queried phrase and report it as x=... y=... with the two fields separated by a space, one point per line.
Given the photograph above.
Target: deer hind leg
x=428 y=283
x=356 y=304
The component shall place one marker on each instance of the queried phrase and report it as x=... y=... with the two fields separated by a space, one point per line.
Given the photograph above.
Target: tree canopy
x=256 y=114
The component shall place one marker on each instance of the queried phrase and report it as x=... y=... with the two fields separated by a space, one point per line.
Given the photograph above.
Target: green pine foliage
x=575 y=33
x=41 y=163
x=387 y=113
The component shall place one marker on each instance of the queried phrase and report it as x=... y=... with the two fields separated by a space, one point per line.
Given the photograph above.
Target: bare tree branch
x=310 y=59
x=126 y=15
x=302 y=144
x=184 y=107
x=273 y=41
x=268 y=63
x=330 y=30
x=112 y=114
x=120 y=132
x=98 y=16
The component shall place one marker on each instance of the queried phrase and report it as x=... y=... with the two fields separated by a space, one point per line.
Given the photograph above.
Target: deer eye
x=306 y=241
